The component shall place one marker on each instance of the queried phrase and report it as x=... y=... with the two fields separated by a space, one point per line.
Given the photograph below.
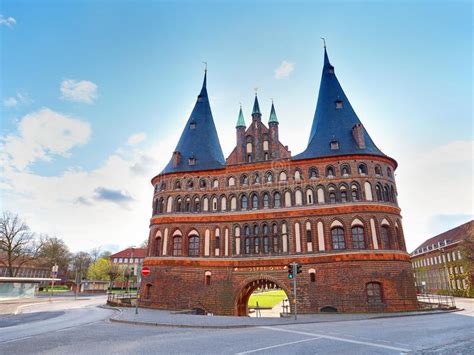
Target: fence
x=431 y=301
x=121 y=299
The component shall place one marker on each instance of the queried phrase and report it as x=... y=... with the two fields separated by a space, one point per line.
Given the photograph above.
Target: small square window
x=334 y=145
x=338 y=104
x=192 y=125
x=192 y=161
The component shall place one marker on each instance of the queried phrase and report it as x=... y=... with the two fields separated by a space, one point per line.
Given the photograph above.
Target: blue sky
x=405 y=66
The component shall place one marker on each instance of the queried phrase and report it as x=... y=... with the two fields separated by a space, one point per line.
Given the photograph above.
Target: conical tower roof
x=334 y=121
x=273 y=116
x=256 y=107
x=240 y=120
x=199 y=147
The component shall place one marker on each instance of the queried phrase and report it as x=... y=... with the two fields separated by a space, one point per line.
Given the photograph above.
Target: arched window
x=254 y=201
x=309 y=235
x=378 y=170
x=197 y=205
x=362 y=168
x=223 y=203
x=269 y=177
x=190 y=184
x=248 y=241
x=332 y=196
x=202 y=184
x=187 y=205
x=256 y=238
x=313 y=173
x=157 y=251
x=297 y=175
x=244 y=202
x=205 y=204
x=298 y=198
x=231 y=181
x=309 y=197
x=358 y=237
x=193 y=246
x=266 y=200
x=179 y=204
x=385 y=234
x=244 y=180
x=177 y=246
x=275 y=238
x=389 y=172
x=392 y=194
x=355 y=193
x=283 y=176
x=277 y=200
x=215 y=183
x=378 y=192
x=374 y=293
x=337 y=236
x=214 y=204
x=287 y=199
x=386 y=194
x=177 y=185
x=256 y=178
x=343 y=194
x=233 y=203
x=266 y=241
x=330 y=171
x=345 y=170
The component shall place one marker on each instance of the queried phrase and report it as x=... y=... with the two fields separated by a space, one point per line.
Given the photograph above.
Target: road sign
x=145 y=271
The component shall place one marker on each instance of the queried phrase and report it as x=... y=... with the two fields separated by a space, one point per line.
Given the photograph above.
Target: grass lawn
x=56 y=289
x=267 y=299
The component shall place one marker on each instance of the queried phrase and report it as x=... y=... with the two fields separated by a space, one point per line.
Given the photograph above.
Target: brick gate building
x=222 y=228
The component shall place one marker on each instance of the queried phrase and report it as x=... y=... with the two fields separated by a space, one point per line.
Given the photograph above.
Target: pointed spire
x=199 y=147
x=256 y=106
x=273 y=116
x=336 y=129
x=240 y=120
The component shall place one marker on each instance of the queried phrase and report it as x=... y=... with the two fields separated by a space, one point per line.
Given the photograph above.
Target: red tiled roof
x=453 y=235
x=130 y=252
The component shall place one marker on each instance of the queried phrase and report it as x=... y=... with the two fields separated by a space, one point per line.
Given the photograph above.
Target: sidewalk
x=14 y=306
x=168 y=319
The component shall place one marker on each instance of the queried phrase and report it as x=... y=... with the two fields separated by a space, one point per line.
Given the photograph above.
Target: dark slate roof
x=256 y=106
x=464 y=231
x=330 y=123
x=200 y=142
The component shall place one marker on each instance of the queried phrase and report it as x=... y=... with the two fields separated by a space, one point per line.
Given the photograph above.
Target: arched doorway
x=249 y=286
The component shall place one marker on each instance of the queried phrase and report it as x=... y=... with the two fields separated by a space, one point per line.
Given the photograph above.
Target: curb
x=169 y=325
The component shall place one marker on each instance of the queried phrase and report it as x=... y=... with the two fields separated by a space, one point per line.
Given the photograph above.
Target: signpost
x=54 y=274
x=145 y=271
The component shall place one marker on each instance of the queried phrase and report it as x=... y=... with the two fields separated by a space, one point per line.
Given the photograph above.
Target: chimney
x=358 y=134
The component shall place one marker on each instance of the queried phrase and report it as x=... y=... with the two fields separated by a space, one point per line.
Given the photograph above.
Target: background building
x=444 y=264
x=129 y=262
x=223 y=228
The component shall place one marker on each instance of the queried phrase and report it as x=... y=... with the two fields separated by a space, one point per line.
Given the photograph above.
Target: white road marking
x=339 y=339
x=277 y=346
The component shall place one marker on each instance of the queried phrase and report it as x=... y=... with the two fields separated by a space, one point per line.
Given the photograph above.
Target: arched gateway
x=249 y=286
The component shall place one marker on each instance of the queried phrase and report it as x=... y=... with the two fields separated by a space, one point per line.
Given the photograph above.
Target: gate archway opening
x=262 y=298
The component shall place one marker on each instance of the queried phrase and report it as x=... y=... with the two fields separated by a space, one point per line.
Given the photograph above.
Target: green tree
x=99 y=270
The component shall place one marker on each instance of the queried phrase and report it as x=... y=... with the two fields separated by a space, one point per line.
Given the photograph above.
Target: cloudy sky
x=94 y=95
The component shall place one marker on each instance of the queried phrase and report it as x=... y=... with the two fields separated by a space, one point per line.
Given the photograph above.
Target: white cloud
x=41 y=135
x=10 y=102
x=7 y=21
x=19 y=98
x=79 y=91
x=136 y=138
x=284 y=70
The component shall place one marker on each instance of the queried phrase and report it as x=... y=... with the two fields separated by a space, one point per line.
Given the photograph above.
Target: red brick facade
x=218 y=273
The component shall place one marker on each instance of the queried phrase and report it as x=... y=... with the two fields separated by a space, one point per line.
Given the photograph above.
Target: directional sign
x=145 y=271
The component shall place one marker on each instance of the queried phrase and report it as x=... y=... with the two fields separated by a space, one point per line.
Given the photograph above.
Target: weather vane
x=324 y=41
x=256 y=89
x=205 y=63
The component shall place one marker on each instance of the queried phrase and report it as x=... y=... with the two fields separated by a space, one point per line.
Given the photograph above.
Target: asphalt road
x=79 y=327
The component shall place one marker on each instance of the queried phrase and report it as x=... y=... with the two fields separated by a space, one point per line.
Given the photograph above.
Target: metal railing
x=432 y=301
x=121 y=298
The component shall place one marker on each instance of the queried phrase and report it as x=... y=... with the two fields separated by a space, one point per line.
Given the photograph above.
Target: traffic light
x=299 y=269
x=290 y=271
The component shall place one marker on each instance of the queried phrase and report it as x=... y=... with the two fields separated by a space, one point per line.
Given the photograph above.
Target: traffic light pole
x=294 y=290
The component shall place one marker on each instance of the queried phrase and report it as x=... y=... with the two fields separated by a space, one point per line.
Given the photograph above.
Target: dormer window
x=338 y=104
x=334 y=145
x=331 y=70
x=192 y=125
x=192 y=160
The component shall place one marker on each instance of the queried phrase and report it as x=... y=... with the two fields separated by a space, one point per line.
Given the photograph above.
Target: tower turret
x=240 y=132
x=273 y=128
